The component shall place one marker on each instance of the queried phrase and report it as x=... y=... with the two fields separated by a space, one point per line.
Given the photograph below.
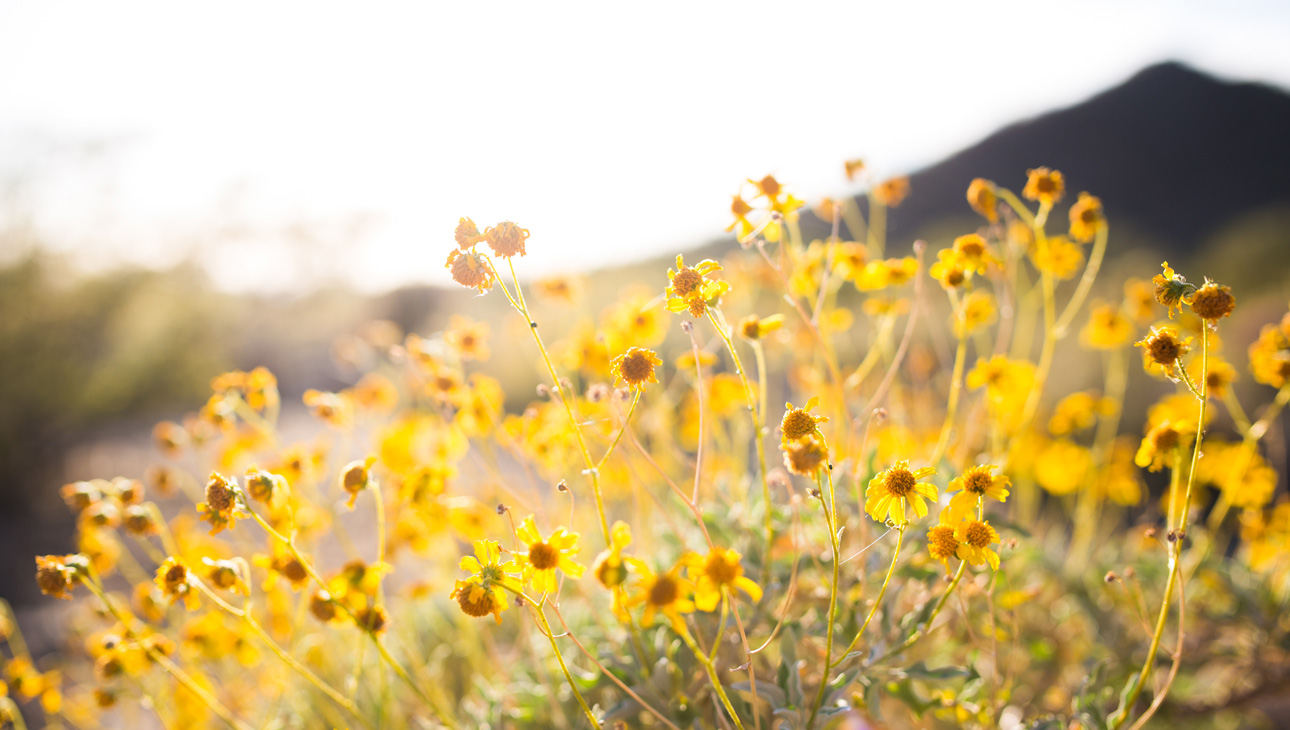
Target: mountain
x=1173 y=151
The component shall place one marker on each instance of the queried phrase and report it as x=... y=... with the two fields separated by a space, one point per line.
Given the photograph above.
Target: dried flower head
x=470 y=270
x=506 y=239
x=1212 y=302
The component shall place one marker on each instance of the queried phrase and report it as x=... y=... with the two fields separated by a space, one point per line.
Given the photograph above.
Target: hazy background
x=284 y=144
x=186 y=189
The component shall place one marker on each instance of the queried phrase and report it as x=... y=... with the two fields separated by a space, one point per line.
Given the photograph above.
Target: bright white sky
x=140 y=132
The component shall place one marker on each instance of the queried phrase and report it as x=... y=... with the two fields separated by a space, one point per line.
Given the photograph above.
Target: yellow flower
x=1107 y=328
x=753 y=328
x=470 y=270
x=718 y=571
x=690 y=290
x=1140 y=301
x=608 y=567
x=634 y=320
x=1086 y=218
x=805 y=456
x=1044 y=185
x=798 y=422
x=853 y=168
x=484 y=592
x=974 y=485
x=559 y=288
x=1078 y=411
x=974 y=538
x=664 y=593
x=1162 y=442
x=545 y=556
x=222 y=505
x=467 y=234
x=1161 y=349
x=172 y=579
x=892 y=490
x=635 y=368
x=982 y=198
x=1058 y=256
x=1212 y=302
x=1172 y=290
x=942 y=541
x=56 y=575
x=1270 y=356
x=226 y=574
x=1061 y=465
x=950 y=269
x=891 y=193
x=506 y=239
x=468 y=338
x=355 y=477
x=978 y=311
x=974 y=252
x=882 y=274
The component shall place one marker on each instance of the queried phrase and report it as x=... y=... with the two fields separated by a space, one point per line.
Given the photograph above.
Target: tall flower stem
x=539 y=612
x=921 y=631
x=711 y=669
x=517 y=302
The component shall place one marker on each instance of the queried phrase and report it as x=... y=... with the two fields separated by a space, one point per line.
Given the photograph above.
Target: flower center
x=941 y=542
x=978 y=535
x=686 y=281
x=475 y=601
x=664 y=592
x=977 y=482
x=720 y=569
x=900 y=482
x=797 y=423
x=1164 y=349
x=543 y=557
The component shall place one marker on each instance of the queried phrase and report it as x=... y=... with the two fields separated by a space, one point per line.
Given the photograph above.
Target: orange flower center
x=664 y=592
x=977 y=534
x=900 y=482
x=543 y=557
x=686 y=281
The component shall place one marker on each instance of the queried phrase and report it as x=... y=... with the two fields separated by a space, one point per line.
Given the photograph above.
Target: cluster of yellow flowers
x=311 y=584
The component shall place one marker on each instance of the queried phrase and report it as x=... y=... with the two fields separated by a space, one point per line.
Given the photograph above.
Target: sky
x=289 y=145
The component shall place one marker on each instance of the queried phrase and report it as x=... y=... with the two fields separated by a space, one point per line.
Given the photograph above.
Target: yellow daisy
x=890 y=491
x=718 y=570
x=976 y=484
x=546 y=556
x=664 y=593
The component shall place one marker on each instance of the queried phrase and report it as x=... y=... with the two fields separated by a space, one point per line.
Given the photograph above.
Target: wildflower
x=1212 y=302
x=323 y=606
x=975 y=484
x=798 y=422
x=941 y=540
x=138 y=520
x=982 y=198
x=469 y=339
x=506 y=239
x=805 y=456
x=1086 y=218
x=283 y=563
x=262 y=486
x=718 y=571
x=356 y=477
x=225 y=574
x=853 y=168
x=1058 y=256
x=690 y=289
x=1270 y=357
x=978 y=311
x=608 y=567
x=170 y=437
x=467 y=234
x=1107 y=328
x=739 y=208
x=1161 y=350
x=484 y=592
x=635 y=321
x=882 y=274
x=56 y=575
x=1044 y=185
x=950 y=269
x=1140 y=301
x=975 y=538
x=1161 y=443
x=221 y=507
x=372 y=619
x=172 y=579
x=546 y=556
x=334 y=408
x=891 y=193
x=1172 y=290
x=974 y=253
x=558 y=288
x=1061 y=466
x=1078 y=411
x=635 y=368
x=1218 y=377
x=470 y=270
x=754 y=328
x=892 y=490
x=663 y=593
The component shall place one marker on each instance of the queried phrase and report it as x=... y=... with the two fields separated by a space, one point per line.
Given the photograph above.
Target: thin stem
x=712 y=674
x=1200 y=428
x=636 y=399
x=921 y=631
x=545 y=627
x=951 y=409
x=1085 y=282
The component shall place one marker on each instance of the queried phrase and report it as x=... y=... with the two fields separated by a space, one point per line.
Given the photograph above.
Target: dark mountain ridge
x=1173 y=151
